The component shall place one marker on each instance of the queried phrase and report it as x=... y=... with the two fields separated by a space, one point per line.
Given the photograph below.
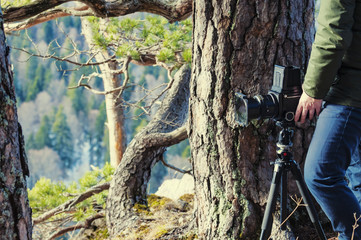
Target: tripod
x=283 y=164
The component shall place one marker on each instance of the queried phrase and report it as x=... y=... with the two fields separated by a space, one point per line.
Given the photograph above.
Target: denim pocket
x=331 y=110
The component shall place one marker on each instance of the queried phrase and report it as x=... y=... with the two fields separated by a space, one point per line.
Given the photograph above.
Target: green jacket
x=334 y=69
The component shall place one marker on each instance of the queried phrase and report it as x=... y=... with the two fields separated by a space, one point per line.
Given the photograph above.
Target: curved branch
x=85 y=224
x=131 y=177
x=41 y=10
x=165 y=139
x=175 y=168
x=46 y=16
x=15 y=14
x=69 y=204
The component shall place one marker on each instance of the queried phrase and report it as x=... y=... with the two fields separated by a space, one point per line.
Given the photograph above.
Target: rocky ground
x=174 y=219
x=162 y=219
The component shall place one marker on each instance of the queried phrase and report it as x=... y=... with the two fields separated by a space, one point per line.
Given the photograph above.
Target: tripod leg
x=283 y=203
x=295 y=169
x=271 y=202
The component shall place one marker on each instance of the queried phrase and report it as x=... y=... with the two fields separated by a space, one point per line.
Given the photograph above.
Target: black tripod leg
x=271 y=202
x=283 y=202
x=295 y=169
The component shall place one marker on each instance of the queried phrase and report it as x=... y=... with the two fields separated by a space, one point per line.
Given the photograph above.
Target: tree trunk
x=114 y=109
x=130 y=180
x=236 y=45
x=15 y=213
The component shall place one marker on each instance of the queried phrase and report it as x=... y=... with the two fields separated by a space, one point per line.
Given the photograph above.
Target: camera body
x=280 y=103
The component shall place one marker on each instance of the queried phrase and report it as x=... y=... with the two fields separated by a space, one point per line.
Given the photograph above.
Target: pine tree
x=30 y=142
x=42 y=137
x=46 y=32
x=77 y=96
x=38 y=83
x=98 y=146
x=63 y=139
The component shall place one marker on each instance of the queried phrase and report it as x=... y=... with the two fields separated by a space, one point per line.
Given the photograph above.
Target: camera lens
x=260 y=106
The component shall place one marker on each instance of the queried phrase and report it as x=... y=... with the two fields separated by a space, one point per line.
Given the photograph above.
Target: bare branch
x=97 y=92
x=175 y=168
x=126 y=78
x=171 y=80
x=69 y=204
x=41 y=11
x=65 y=59
x=121 y=89
x=85 y=224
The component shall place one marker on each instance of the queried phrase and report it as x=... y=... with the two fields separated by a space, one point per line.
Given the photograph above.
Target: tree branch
x=66 y=59
x=85 y=224
x=165 y=139
x=15 y=14
x=175 y=168
x=69 y=204
x=41 y=10
x=48 y=15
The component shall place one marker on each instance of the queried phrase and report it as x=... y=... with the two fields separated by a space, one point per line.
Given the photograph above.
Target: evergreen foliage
x=126 y=37
x=47 y=194
x=15 y=3
x=46 y=32
x=37 y=84
x=135 y=37
x=77 y=96
x=42 y=138
x=63 y=139
x=30 y=142
x=98 y=147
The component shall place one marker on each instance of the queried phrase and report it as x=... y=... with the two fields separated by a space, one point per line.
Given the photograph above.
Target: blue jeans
x=334 y=154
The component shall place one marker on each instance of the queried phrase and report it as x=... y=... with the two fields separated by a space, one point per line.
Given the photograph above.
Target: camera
x=280 y=103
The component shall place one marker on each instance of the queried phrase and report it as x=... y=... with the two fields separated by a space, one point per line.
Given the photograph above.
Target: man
x=334 y=75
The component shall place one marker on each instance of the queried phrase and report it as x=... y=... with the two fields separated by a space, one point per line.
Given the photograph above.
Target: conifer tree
x=99 y=149
x=30 y=142
x=76 y=96
x=37 y=84
x=42 y=137
x=46 y=32
x=63 y=139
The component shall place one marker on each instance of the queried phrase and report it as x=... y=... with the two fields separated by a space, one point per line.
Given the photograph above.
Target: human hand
x=308 y=105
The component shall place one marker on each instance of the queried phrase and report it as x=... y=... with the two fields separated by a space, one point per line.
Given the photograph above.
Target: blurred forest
x=65 y=129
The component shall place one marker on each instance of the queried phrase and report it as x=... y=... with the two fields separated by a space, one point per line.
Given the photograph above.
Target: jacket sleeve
x=333 y=37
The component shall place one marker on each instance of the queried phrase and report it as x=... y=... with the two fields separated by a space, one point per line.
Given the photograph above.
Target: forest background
x=63 y=153
x=65 y=129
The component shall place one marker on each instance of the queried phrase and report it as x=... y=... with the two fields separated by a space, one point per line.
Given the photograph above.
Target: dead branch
x=41 y=11
x=119 y=89
x=171 y=80
x=85 y=224
x=69 y=204
x=126 y=78
x=65 y=59
x=175 y=168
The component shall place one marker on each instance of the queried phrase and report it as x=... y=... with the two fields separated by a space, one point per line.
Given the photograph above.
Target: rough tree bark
x=15 y=213
x=236 y=44
x=130 y=180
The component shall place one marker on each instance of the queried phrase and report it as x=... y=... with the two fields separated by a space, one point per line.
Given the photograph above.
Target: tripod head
x=284 y=143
